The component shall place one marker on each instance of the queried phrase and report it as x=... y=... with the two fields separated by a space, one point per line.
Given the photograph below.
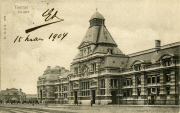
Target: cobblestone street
x=87 y=109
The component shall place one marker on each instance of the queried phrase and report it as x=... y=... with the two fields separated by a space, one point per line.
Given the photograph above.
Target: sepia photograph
x=83 y=56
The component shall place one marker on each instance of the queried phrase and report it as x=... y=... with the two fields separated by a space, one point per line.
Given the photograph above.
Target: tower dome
x=96 y=20
x=96 y=15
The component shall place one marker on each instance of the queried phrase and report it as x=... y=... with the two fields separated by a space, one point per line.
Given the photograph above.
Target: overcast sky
x=134 y=25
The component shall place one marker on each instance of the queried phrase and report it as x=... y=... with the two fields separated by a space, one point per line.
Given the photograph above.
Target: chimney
x=20 y=90
x=48 y=67
x=157 y=44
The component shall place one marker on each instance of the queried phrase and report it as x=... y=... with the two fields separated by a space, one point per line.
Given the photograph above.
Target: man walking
x=91 y=102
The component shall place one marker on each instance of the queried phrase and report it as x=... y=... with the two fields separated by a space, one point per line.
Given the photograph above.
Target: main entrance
x=93 y=96
x=114 y=97
x=75 y=96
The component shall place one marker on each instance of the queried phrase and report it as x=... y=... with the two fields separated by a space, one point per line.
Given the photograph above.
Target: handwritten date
x=52 y=37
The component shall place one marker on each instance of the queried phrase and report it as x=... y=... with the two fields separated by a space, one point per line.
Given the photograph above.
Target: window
x=149 y=91
x=167 y=62
x=102 y=83
x=153 y=90
x=114 y=82
x=124 y=82
x=110 y=51
x=102 y=91
x=76 y=70
x=94 y=67
x=139 y=91
x=124 y=93
x=167 y=90
x=149 y=80
x=85 y=88
x=158 y=91
x=167 y=77
x=158 y=79
x=128 y=82
x=138 y=80
x=129 y=92
x=153 y=80
x=138 y=67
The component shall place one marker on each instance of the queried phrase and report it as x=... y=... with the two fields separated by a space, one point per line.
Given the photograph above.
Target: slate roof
x=97 y=34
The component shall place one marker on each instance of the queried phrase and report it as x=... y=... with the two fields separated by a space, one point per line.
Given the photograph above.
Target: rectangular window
x=167 y=90
x=124 y=82
x=167 y=77
x=76 y=70
x=158 y=91
x=102 y=83
x=153 y=90
x=128 y=83
x=131 y=81
x=158 y=79
x=115 y=82
x=124 y=93
x=94 y=67
x=139 y=91
x=111 y=82
x=149 y=91
x=138 y=80
x=149 y=80
x=103 y=92
x=153 y=80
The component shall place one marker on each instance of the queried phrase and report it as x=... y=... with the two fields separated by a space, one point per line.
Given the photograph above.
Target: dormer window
x=110 y=51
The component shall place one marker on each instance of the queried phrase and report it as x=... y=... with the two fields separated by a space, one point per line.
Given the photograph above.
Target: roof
x=65 y=74
x=97 y=34
x=155 y=55
x=96 y=15
x=51 y=76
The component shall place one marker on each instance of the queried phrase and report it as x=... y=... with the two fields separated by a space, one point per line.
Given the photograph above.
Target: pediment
x=84 y=44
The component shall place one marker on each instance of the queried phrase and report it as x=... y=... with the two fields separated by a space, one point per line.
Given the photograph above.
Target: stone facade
x=101 y=72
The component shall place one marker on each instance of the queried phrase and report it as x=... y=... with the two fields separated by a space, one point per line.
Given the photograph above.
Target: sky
x=133 y=24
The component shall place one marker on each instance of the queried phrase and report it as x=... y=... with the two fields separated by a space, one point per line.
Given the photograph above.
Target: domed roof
x=96 y=15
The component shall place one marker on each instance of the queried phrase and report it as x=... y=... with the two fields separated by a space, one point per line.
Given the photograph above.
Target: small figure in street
x=91 y=102
x=77 y=102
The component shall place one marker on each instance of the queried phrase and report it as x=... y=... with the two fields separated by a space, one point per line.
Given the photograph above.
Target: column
x=162 y=88
x=78 y=71
x=107 y=87
x=97 y=66
x=173 y=84
x=58 y=91
x=172 y=61
x=134 y=86
x=90 y=66
x=143 y=84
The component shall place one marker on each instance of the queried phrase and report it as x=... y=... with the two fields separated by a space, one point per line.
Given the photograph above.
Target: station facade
x=101 y=72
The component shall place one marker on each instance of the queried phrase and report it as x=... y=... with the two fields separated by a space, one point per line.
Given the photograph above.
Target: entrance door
x=93 y=96
x=113 y=93
x=75 y=96
x=152 y=99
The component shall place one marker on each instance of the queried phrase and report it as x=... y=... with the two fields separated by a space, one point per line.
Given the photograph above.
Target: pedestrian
x=91 y=102
x=77 y=102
